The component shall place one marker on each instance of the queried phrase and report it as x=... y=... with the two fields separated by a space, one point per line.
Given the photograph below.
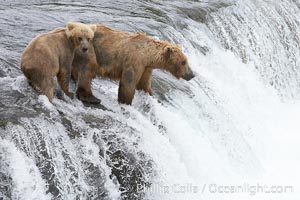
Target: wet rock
x=129 y=165
x=48 y=137
x=5 y=185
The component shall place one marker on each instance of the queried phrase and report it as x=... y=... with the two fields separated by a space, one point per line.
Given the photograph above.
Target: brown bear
x=129 y=58
x=51 y=54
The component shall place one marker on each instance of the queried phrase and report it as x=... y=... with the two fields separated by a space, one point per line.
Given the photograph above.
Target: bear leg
x=127 y=87
x=74 y=74
x=41 y=83
x=49 y=89
x=63 y=78
x=84 y=91
x=44 y=86
x=145 y=82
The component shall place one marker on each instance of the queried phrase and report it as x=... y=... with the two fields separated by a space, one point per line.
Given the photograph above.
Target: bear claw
x=90 y=99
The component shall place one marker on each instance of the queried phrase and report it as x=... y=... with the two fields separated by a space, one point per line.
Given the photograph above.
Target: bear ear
x=168 y=51
x=93 y=27
x=71 y=25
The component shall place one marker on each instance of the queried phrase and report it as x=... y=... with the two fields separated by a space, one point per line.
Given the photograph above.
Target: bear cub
x=51 y=54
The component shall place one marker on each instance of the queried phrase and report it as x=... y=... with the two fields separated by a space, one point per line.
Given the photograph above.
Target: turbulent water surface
x=234 y=126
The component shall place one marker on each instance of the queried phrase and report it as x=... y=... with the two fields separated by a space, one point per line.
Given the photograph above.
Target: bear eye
x=183 y=62
x=88 y=39
x=79 y=39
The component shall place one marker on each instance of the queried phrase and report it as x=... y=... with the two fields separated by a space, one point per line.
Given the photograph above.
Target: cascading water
x=266 y=33
x=235 y=124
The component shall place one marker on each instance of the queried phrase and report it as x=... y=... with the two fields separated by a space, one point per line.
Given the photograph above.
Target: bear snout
x=84 y=49
x=188 y=76
x=84 y=45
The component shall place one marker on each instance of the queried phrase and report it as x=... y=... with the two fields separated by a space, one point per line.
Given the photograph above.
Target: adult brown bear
x=51 y=54
x=129 y=58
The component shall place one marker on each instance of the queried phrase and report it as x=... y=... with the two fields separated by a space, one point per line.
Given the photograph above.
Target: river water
x=230 y=133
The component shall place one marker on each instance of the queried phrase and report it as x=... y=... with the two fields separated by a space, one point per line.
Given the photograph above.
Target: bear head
x=176 y=62
x=80 y=34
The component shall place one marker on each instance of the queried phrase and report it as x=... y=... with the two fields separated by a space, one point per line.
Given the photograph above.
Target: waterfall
x=235 y=124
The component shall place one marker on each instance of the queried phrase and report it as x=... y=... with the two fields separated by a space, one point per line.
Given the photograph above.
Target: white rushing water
x=232 y=132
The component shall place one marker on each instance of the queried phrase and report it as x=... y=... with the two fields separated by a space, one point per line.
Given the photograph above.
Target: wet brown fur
x=129 y=58
x=51 y=54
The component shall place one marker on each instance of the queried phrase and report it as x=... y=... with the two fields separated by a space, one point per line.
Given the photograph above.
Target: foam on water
x=229 y=126
x=27 y=180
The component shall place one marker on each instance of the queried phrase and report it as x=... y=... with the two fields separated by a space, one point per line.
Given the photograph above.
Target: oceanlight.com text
x=245 y=188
